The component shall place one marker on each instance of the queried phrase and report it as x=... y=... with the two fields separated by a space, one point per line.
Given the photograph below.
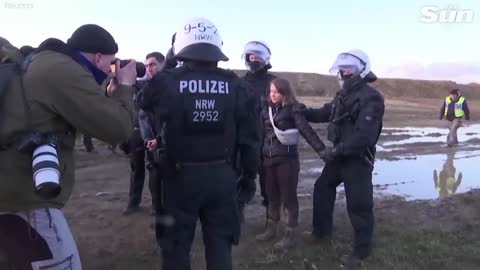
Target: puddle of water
x=309 y=160
x=315 y=170
x=465 y=133
x=426 y=177
x=383 y=149
x=429 y=176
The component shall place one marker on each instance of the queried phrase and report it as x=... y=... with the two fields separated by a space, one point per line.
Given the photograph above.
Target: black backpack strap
x=27 y=109
x=7 y=72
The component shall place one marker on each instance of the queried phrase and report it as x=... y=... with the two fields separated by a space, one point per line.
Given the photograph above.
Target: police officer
x=256 y=55
x=454 y=108
x=143 y=142
x=355 y=118
x=207 y=120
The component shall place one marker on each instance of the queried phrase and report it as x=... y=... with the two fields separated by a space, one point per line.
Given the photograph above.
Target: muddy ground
x=410 y=234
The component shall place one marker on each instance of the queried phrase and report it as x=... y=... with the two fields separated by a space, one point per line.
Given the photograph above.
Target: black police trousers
x=263 y=190
x=137 y=178
x=356 y=175
x=200 y=192
x=263 y=185
x=88 y=143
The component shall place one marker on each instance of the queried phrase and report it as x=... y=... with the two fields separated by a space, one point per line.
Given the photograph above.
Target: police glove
x=246 y=188
x=329 y=154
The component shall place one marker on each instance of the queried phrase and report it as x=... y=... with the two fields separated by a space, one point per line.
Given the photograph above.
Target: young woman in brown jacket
x=281 y=157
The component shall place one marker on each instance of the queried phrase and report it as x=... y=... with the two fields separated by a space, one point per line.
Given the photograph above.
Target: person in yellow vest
x=445 y=182
x=454 y=108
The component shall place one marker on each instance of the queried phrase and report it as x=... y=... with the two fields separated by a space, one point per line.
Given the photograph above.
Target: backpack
x=13 y=105
x=9 y=58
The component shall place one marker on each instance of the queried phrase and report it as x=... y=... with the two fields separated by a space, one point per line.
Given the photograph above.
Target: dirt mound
x=313 y=84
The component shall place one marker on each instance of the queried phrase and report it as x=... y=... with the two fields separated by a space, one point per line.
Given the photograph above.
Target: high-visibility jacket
x=449 y=186
x=458 y=106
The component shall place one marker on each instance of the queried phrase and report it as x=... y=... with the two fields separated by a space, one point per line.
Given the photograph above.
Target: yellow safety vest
x=458 y=106
x=449 y=185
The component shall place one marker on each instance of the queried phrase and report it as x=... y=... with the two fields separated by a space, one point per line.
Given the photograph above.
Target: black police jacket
x=137 y=95
x=207 y=115
x=355 y=120
x=259 y=89
x=259 y=85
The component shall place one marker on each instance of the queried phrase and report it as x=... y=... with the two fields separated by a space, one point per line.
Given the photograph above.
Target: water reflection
x=454 y=171
x=447 y=182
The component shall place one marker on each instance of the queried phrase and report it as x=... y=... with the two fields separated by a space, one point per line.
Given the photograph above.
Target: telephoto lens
x=140 y=67
x=46 y=169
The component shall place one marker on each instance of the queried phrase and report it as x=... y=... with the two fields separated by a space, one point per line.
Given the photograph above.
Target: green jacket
x=64 y=98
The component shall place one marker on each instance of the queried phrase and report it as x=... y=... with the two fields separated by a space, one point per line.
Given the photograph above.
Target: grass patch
x=396 y=247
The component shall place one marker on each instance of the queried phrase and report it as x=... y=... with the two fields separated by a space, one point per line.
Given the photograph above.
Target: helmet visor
x=348 y=64
x=254 y=55
x=256 y=51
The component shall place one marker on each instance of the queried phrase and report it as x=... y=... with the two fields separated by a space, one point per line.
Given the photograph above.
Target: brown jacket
x=63 y=97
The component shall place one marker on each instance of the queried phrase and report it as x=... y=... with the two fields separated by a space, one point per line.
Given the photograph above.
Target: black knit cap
x=3 y=42
x=91 y=38
x=455 y=91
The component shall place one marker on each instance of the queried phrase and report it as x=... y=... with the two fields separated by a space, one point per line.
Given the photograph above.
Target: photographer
x=61 y=94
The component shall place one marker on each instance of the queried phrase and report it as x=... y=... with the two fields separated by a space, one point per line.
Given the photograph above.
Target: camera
x=140 y=67
x=45 y=165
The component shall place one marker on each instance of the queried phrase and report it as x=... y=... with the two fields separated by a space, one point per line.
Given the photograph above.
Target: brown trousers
x=453 y=127
x=281 y=184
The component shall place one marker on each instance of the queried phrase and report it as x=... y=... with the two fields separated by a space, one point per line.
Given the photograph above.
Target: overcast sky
x=304 y=35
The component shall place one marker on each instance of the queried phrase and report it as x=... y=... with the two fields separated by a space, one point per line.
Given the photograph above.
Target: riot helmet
x=198 y=40
x=351 y=68
x=256 y=55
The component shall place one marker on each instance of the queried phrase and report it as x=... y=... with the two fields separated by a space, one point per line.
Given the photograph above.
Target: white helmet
x=198 y=40
x=261 y=53
x=259 y=48
x=355 y=60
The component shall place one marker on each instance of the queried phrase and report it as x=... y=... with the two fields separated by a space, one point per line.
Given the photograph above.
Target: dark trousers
x=137 y=178
x=207 y=193
x=263 y=191
x=88 y=143
x=281 y=183
x=356 y=175
x=453 y=126
x=263 y=185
